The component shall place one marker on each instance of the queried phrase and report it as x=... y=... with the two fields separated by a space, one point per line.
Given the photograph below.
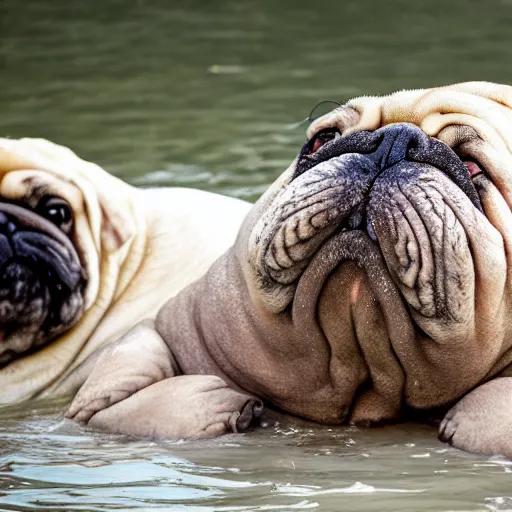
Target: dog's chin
x=41 y=292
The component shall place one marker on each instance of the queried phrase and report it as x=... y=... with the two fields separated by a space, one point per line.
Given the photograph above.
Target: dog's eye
x=322 y=138
x=58 y=211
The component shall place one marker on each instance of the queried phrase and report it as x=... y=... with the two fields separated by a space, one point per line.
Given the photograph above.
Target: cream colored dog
x=84 y=257
x=372 y=280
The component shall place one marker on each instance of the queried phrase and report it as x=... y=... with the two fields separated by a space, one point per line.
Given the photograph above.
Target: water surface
x=50 y=464
x=208 y=94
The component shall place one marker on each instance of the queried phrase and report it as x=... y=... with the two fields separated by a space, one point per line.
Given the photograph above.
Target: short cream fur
x=138 y=246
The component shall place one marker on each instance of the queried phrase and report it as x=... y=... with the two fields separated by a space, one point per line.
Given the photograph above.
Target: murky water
x=207 y=94
x=49 y=464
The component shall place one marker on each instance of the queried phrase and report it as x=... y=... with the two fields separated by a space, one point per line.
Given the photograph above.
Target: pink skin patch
x=355 y=292
x=473 y=168
x=317 y=145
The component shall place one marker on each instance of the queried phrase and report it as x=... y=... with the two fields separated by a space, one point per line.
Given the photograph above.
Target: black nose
x=395 y=142
x=386 y=146
x=405 y=141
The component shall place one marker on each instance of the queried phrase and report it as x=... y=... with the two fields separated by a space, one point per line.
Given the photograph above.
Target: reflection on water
x=208 y=94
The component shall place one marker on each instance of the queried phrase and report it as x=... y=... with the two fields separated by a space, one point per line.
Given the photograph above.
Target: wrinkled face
x=403 y=216
x=42 y=282
x=397 y=186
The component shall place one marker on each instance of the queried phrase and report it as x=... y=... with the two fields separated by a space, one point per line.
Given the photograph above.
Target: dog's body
x=85 y=257
x=372 y=277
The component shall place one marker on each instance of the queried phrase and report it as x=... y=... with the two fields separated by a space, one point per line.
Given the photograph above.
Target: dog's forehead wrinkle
x=36 y=191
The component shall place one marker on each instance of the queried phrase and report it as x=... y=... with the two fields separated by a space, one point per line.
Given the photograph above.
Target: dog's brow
x=35 y=190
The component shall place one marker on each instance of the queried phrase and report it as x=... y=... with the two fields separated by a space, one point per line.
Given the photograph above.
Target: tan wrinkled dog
x=372 y=280
x=84 y=257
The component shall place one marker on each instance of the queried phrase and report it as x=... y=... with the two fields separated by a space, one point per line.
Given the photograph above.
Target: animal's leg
x=482 y=421
x=134 y=388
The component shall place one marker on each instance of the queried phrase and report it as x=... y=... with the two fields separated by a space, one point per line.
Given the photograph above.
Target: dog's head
x=404 y=199
x=60 y=219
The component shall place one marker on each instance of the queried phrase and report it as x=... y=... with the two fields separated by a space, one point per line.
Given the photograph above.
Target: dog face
x=42 y=277
x=406 y=201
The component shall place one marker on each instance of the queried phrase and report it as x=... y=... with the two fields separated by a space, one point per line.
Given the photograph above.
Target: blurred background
x=208 y=94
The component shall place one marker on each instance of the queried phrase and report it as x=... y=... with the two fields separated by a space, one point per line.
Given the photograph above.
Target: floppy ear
x=117 y=220
x=109 y=209
x=115 y=232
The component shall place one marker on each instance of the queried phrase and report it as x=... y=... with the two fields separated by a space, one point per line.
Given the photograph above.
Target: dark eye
x=58 y=211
